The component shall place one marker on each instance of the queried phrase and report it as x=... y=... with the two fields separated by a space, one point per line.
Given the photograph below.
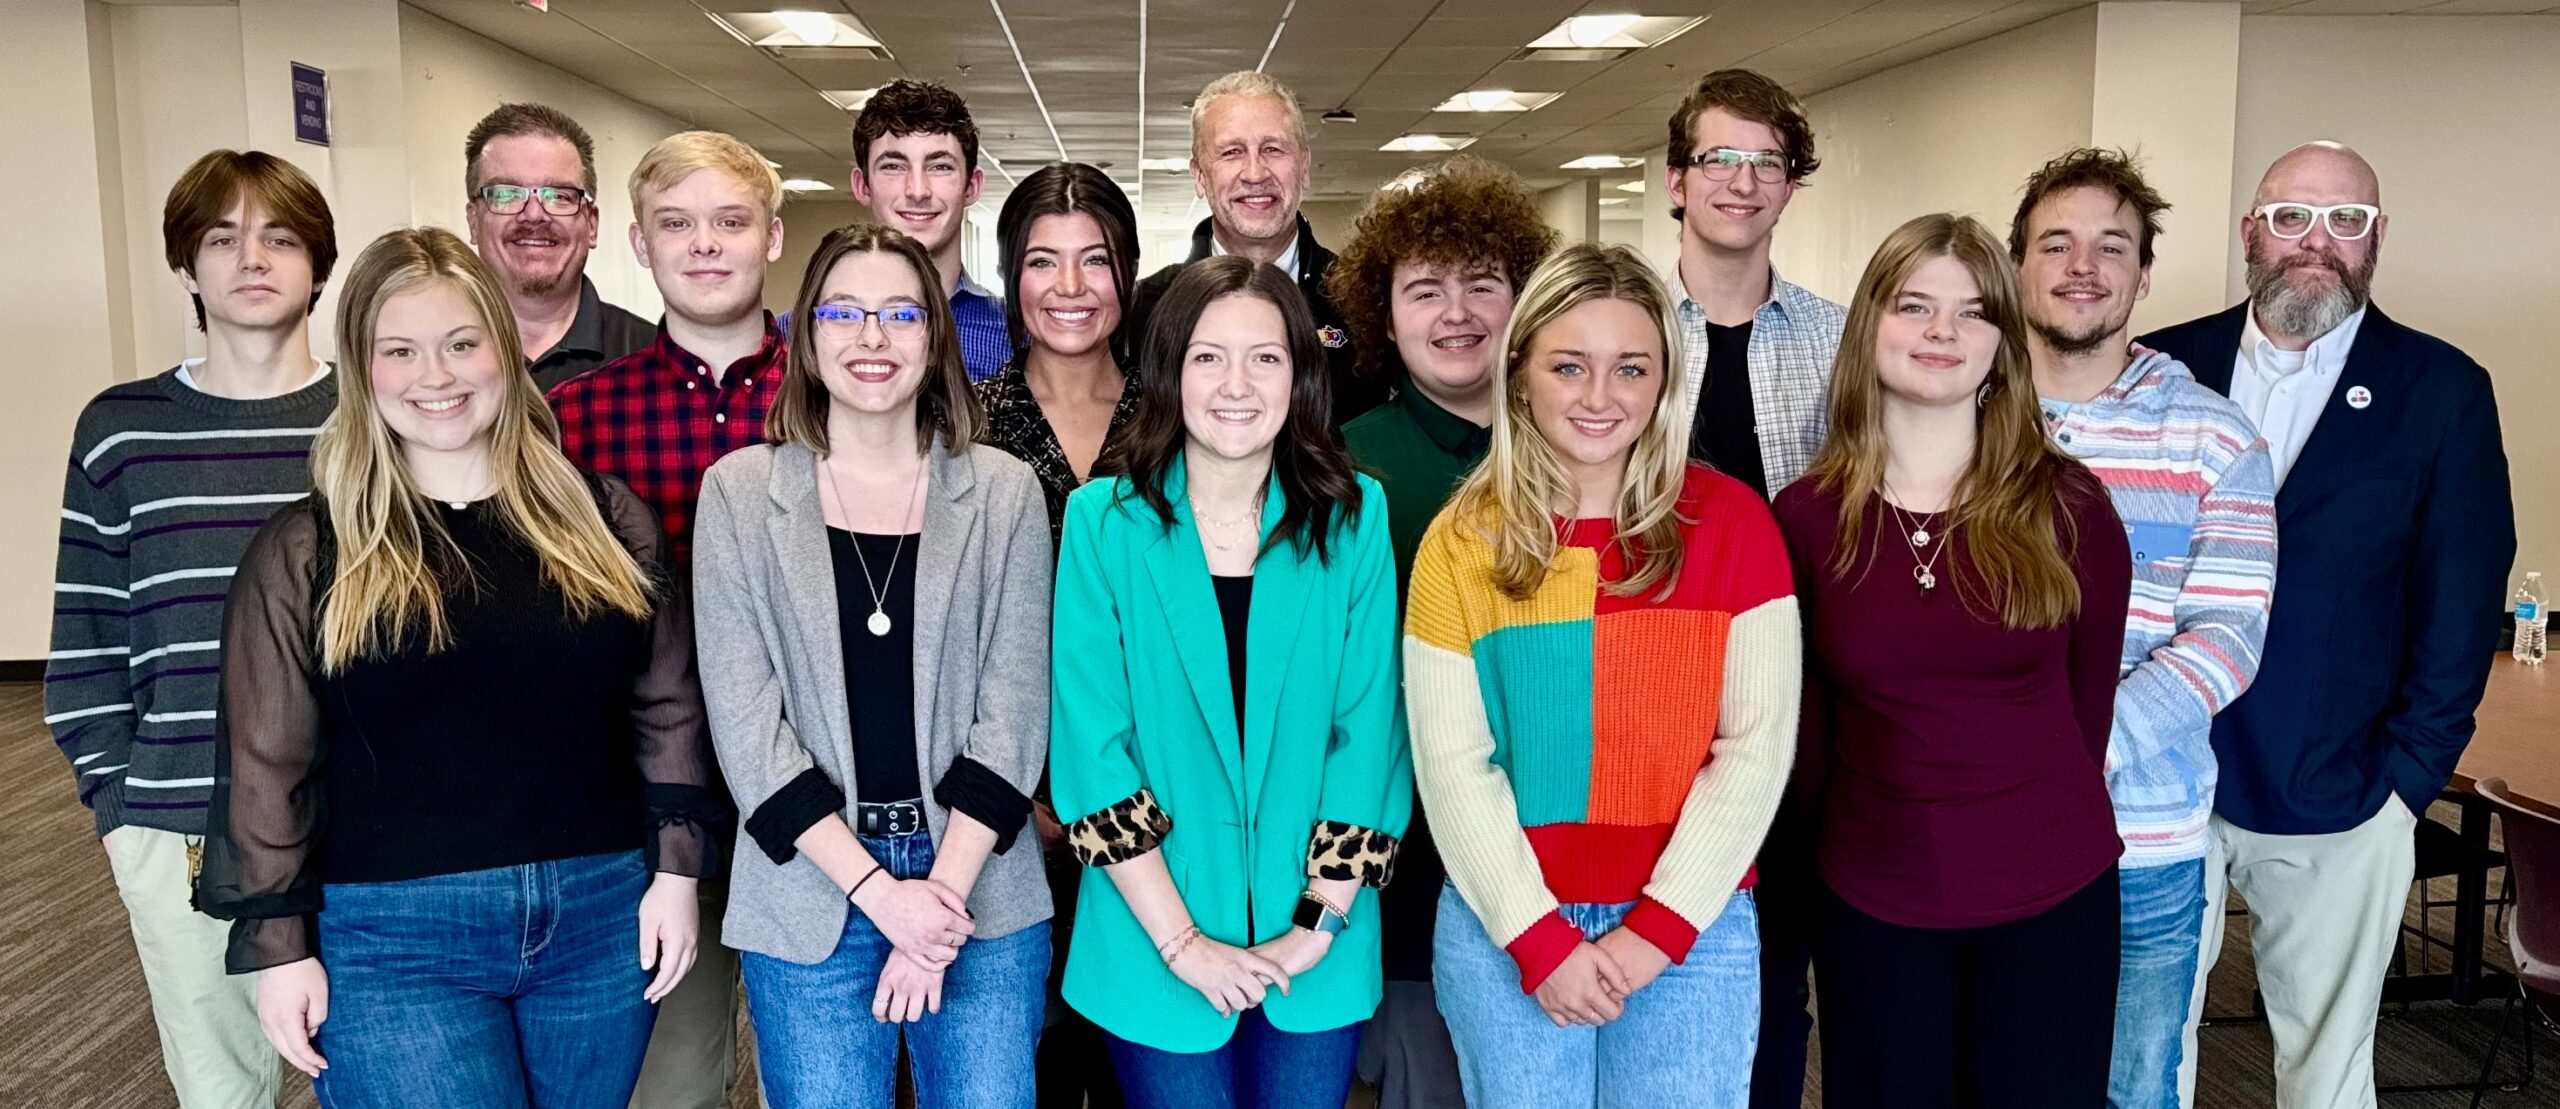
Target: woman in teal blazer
x=1222 y=725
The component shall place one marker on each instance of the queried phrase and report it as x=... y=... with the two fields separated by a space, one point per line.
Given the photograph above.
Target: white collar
x=2326 y=355
x=187 y=377
x=1287 y=261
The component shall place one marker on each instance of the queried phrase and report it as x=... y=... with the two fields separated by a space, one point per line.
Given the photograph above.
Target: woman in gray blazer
x=872 y=606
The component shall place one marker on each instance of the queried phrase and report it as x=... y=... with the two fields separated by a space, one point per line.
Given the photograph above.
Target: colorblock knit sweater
x=1577 y=746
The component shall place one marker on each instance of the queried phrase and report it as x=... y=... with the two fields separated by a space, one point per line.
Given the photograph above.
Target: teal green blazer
x=1140 y=707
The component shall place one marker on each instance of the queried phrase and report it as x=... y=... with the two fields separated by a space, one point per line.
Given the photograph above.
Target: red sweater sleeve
x=2103 y=560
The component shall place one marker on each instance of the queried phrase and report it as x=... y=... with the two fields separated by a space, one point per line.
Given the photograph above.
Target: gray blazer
x=773 y=669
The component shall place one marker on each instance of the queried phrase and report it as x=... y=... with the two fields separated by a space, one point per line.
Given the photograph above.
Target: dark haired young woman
x=1222 y=732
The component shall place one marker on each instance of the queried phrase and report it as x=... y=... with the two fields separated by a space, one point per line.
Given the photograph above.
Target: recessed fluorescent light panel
x=796 y=34
x=1603 y=161
x=806 y=185
x=1428 y=144
x=1604 y=38
x=1164 y=165
x=850 y=100
x=1635 y=186
x=1497 y=100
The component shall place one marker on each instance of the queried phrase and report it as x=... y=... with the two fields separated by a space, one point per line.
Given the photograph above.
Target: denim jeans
x=1686 y=1039
x=818 y=1046
x=1260 y=1067
x=517 y=987
x=2163 y=928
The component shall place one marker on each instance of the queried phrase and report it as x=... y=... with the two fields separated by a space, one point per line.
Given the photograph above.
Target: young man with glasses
x=169 y=478
x=706 y=224
x=2398 y=528
x=915 y=165
x=2190 y=479
x=533 y=220
x=1759 y=356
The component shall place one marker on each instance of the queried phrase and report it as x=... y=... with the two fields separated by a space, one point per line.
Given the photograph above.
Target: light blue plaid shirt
x=1794 y=337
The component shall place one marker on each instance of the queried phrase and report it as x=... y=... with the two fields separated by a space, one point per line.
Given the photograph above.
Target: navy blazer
x=2395 y=530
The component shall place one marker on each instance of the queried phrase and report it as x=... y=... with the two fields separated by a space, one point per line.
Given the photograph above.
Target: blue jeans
x=818 y=1045
x=517 y=987
x=2163 y=927
x=1686 y=1039
x=1259 y=1067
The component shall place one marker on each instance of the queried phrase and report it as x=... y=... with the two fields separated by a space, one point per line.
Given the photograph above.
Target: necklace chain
x=879 y=623
x=1915 y=536
x=1248 y=521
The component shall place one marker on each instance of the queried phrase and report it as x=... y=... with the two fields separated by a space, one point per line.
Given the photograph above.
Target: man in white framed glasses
x=2392 y=498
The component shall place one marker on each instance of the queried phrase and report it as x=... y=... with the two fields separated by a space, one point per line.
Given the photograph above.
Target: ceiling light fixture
x=1497 y=100
x=1164 y=165
x=1635 y=186
x=800 y=34
x=1604 y=38
x=806 y=185
x=1428 y=144
x=850 y=100
x=1603 y=161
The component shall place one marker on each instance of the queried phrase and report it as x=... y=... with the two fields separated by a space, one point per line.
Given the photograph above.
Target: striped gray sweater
x=166 y=487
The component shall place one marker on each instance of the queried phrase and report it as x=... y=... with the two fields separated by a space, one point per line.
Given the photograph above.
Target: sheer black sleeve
x=672 y=733
x=262 y=839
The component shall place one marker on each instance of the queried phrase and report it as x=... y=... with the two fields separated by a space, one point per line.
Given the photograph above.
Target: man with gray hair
x=1249 y=160
x=2398 y=527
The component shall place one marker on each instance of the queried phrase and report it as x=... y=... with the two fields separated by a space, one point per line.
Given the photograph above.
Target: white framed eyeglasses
x=2344 y=222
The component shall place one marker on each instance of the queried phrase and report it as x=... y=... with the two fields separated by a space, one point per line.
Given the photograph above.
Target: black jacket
x=1353 y=392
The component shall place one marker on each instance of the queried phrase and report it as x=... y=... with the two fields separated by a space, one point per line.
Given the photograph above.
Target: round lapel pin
x=2359 y=397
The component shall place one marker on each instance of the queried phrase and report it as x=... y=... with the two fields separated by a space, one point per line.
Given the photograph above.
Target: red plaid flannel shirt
x=658 y=417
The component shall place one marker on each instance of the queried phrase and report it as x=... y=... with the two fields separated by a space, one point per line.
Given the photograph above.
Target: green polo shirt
x=1419 y=452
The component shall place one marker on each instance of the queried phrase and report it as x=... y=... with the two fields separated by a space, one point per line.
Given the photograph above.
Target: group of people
x=1026 y=695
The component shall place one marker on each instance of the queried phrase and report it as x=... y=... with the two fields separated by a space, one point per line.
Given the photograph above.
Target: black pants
x=2009 y=1016
x=1789 y=898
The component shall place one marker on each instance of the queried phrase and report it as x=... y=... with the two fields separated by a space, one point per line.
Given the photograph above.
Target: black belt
x=897 y=818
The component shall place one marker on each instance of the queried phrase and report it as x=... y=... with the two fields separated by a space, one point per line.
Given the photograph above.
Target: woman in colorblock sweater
x=1964 y=585
x=1603 y=671
x=1222 y=732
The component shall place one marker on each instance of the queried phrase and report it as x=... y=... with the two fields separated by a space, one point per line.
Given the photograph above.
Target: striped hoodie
x=2191 y=479
x=1580 y=747
x=166 y=487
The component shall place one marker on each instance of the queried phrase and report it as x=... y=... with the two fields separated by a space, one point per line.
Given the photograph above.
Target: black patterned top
x=1016 y=426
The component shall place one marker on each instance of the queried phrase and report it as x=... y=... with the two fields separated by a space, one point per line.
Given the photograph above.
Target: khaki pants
x=2324 y=915
x=210 y=1042
x=693 y=1051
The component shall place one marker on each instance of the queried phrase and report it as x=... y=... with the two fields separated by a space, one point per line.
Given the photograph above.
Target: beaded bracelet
x=1173 y=948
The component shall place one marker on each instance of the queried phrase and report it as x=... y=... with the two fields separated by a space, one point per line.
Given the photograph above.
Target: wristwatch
x=1315 y=914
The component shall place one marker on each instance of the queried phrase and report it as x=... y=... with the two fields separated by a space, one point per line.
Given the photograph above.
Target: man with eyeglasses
x=2392 y=497
x=1758 y=357
x=533 y=220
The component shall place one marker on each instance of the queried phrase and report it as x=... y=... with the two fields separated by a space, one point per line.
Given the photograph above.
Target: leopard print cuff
x=1127 y=829
x=1339 y=850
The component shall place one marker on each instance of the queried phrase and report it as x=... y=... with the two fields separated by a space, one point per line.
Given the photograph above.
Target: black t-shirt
x=879 y=670
x=1235 y=602
x=1726 y=432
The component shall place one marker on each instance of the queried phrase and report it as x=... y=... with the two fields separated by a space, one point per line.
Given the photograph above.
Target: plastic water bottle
x=2533 y=621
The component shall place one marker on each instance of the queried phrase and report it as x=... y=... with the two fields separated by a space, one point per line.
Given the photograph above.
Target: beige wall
x=2459 y=125
x=1955 y=132
x=1572 y=209
x=805 y=223
x=2165 y=88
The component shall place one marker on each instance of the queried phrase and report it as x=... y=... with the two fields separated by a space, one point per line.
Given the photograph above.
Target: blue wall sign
x=310 y=105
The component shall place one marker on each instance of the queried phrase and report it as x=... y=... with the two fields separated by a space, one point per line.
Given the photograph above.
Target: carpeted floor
x=77 y=1030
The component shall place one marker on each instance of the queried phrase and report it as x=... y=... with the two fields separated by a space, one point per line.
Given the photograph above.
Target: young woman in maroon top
x=1964 y=587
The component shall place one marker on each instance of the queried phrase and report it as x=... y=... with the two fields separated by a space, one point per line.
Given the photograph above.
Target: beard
x=2067 y=342
x=2312 y=312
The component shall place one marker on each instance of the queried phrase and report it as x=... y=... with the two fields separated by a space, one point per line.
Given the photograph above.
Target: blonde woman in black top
x=458 y=810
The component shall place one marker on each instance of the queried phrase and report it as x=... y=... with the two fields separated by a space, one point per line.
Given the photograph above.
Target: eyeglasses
x=2344 y=222
x=1769 y=167
x=845 y=319
x=507 y=200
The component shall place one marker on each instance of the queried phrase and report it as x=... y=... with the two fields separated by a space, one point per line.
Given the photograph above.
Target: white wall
x=2459 y=125
x=1956 y=132
x=2165 y=88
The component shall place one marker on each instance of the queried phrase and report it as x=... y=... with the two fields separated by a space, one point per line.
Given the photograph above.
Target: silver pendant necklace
x=1915 y=536
x=879 y=623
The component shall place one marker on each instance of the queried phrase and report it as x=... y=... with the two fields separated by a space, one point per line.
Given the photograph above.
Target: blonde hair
x=684 y=153
x=1519 y=489
x=394 y=556
x=1248 y=82
x=2006 y=500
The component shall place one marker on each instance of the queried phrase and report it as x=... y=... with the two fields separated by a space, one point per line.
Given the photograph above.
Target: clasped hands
x=925 y=922
x=1235 y=979
x=1593 y=983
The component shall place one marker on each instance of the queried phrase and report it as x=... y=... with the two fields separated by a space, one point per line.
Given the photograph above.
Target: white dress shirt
x=2284 y=391
x=1287 y=261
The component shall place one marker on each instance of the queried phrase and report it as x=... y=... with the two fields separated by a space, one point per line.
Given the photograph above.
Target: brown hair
x=945 y=404
x=205 y=193
x=2090 y=168
x=1454 y=212
x=527 y=119
x=2007 y=499
x=1749 y=95
x=910 y=107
